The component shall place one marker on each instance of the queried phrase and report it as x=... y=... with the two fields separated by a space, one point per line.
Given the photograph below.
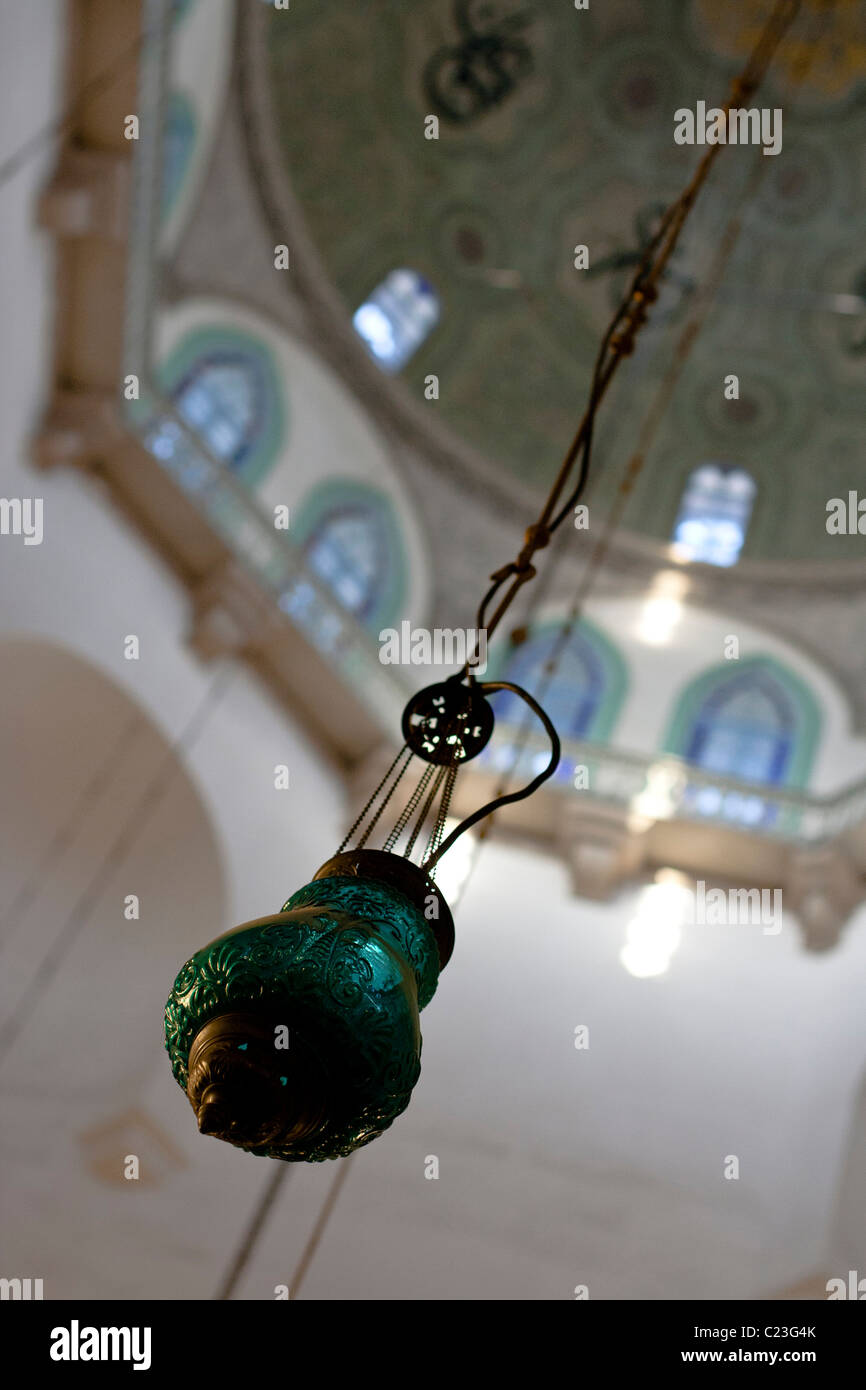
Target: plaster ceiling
x=581 y=150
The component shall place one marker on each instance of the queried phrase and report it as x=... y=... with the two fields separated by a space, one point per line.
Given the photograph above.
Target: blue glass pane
x=744 y=729
x=347 y=551
x=571 y=696
x=714 y=514
x=222 y=398
x=397 y=317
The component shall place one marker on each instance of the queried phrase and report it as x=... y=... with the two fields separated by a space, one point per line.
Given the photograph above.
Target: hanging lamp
x=296 y=1036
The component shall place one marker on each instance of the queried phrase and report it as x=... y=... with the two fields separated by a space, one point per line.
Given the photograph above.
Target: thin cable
x=138 y=818
x=649 y=427
x=249 y=1240
x=318 y=1230
x=618 y=341
x=50 y=132
x=105 y=773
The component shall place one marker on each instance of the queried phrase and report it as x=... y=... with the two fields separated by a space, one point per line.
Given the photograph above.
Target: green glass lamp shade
x=296 y=1036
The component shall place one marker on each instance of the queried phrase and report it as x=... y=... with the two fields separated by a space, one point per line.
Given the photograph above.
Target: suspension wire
x=257 y=1222
x=782 y=16
x=318 y=1230
x=64 y=122
x=618 y=341
x=394 y=774
x=706 y=295
x=173 y=759
x=102 y=779
x=632 y=470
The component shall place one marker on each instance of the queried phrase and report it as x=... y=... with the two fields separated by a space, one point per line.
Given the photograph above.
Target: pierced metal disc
x=446 y=723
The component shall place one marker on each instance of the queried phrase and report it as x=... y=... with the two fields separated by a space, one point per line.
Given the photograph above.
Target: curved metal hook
x=491 y=806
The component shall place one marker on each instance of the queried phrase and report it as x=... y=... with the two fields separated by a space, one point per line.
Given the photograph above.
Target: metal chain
x=425 y=810
x=411 y=805
x=406 y=754
x=435 y=838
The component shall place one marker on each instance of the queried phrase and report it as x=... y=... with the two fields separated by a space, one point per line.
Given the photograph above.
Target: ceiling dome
x=555 y=129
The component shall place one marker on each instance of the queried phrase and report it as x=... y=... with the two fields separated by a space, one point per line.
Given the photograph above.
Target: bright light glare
x=659 y=797
x=662 y=611
x=643 y=962
x=658 y=619
x=375 y=328
x=455 y=866
x=655 y=931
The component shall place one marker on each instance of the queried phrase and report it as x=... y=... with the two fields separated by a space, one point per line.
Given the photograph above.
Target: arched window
x=224 y=385
x=397 y=317
x=714 y=514
x=571 y=696
x=223 y=398
x=745 y=728
x=757 y=724
x=348 y=550
x=582 y=697
x=352 y=542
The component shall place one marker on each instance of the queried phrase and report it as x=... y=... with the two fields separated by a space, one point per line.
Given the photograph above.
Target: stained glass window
x=745 y=729
x=571 y=697
x=223 y=397
x=397 y=317
x=714 y=514
x=347 y=550
x=758 y=726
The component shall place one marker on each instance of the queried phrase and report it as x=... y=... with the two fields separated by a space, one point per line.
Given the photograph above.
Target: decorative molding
x=232 y=614
x=78 y=428
x=89 y=195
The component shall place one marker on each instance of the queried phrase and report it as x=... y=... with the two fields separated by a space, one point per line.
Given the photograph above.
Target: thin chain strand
x=406 y=754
